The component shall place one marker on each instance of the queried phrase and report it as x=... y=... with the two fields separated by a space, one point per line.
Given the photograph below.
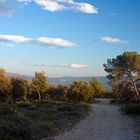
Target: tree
x=20 y=88
x=39 y=84
x=99 y=90
x=80 y=91
x=5 y=86
x=57 y=92
x=125 y=68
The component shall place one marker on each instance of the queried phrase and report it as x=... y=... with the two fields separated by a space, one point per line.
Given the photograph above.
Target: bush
x=20 y=88
x=57 y=92
x=80 y=91
x=99 y=90
x=132 y=109
x=5 y=86
x=13 y=124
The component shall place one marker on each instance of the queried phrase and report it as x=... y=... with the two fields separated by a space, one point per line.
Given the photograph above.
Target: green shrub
x=13 y=124
x=132 y=109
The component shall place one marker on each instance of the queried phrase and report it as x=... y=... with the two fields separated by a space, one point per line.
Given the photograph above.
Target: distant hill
x=68 y=80
x=27 y=77
x=65 y=80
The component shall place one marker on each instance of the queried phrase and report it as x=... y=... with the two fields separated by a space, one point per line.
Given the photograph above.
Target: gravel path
x=105 y=122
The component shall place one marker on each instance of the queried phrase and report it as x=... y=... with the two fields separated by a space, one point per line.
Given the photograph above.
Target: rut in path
x=105 y=122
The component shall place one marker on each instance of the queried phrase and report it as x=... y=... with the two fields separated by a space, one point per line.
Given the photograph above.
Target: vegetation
x=17 y=89
x=80 y=91
x=99 y=90
x=13 y=124
x=39 y=85
x=20 y=88
x=39 y=109
x=57 y=92
x=124 y=75
x=132 y=109
x=5 y=86
x=52 y=117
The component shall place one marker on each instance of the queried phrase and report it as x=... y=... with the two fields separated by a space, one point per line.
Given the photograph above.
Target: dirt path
x=105 y=122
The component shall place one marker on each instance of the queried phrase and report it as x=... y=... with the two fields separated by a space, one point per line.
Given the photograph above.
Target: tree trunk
x=136 y=90
x=39 y=96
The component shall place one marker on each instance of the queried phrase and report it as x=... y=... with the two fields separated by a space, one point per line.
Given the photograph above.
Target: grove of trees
x=18 y=89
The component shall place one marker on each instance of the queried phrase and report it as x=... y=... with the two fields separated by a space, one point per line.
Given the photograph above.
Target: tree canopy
x=125 y=70
x=39 y=84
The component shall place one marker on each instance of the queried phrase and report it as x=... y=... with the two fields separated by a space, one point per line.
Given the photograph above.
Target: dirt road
x=105 y=122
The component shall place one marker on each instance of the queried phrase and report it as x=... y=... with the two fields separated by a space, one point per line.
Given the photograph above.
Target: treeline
x=18 y=89
x=124 y=75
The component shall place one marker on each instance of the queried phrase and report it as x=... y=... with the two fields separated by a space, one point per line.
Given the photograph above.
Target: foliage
x=98 y=88
x=5 y=86
x=51 y=113
x=57 y=92
x=39 y=85
x=13 y=124
x=107 y=95
x=80 y=91
x=124 y=74
x=20 y=88
x=132 y=109
x=51 y=118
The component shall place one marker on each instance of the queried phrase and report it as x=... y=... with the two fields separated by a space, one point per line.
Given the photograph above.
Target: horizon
x=21 y=74
x=66 y=38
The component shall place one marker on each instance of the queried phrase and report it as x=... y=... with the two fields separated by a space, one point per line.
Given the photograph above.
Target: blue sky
x=66 y=37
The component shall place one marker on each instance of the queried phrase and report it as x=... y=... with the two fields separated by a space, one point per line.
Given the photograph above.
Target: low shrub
x=132 y=109
x=13 y=124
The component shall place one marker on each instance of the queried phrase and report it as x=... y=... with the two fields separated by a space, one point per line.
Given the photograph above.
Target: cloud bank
x=41 y=41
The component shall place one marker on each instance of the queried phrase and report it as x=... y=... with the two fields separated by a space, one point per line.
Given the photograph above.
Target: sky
x=66 y=37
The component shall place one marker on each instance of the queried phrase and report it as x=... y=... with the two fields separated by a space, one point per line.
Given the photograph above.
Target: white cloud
x=55 y=42
x=14 y=38
x=8 y=7
x=85 y=8
x=50 y=5
x=43 y=41
x=112 y=40
x=73 y=65
x=57 y=5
